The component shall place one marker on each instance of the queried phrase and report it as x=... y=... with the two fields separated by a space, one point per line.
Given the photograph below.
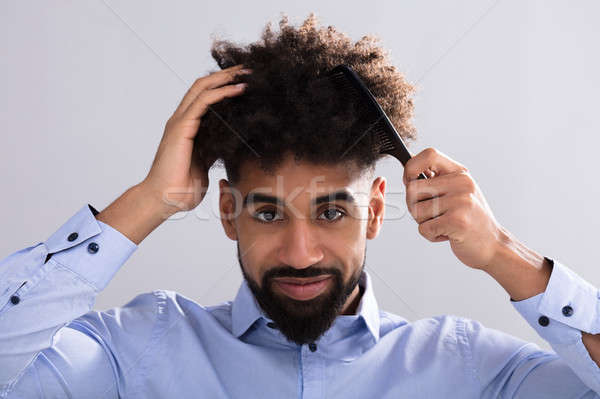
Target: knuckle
x=171 y=122
x=430 y=151
x=201 y=100
x=464 y=204
x=466 y=180
x=423 y=230
x=472 y=200
x=465 y=201
x=459 y=219
x=229 y=74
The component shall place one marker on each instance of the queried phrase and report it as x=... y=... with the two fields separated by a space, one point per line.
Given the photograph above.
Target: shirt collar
x=246 y=310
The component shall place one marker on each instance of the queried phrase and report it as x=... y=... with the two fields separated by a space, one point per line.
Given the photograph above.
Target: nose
x=300 y=246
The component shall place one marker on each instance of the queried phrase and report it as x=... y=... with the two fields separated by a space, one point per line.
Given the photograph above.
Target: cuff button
x=543 y=321
x=567 y=311
x=72 y=236
x=93 y=248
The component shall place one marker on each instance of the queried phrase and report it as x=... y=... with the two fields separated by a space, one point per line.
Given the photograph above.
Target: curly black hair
x=289 y=107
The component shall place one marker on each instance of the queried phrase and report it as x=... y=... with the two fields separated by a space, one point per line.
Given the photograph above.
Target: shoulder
x=451 y=331
x=134 y=322
x=178 y=305
x=442 y=325
x=168 y=307
x=468 y=333
x=144 y=319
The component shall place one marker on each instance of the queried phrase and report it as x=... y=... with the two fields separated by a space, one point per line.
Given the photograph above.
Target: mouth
x=303 y=288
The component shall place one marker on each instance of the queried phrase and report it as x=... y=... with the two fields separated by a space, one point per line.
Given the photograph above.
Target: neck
x=353 y=300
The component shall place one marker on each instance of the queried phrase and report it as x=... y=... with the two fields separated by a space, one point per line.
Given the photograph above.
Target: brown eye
x=331 y=213
x=269 y=216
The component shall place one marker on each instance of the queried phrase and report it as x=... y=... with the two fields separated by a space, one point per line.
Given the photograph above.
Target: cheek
x=355 y=255
x=347 y=241
x=256 y=252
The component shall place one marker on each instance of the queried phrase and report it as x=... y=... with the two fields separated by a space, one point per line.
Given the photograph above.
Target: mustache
x=287 y=271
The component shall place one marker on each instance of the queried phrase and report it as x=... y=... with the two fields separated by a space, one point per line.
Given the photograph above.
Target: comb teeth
x=381 y=141
x=342 y=83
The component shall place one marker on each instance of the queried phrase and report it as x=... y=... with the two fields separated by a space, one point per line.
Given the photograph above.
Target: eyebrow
x=254 y=198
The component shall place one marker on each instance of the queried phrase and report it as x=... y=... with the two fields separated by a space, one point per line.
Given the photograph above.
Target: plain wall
x=507 y=88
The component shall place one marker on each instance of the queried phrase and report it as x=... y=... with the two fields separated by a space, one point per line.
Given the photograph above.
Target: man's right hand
x=175 y=181
x=175 y=178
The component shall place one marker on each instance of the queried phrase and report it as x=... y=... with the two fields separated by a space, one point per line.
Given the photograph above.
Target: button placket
x=312 y=372
x=15 y=298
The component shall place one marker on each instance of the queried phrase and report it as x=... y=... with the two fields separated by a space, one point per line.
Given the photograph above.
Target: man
x=300 y=203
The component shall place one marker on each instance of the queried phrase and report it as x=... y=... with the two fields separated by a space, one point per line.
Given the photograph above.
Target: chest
x=219 y=367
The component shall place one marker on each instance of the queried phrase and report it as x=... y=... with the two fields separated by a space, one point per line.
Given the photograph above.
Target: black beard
x=302 y=321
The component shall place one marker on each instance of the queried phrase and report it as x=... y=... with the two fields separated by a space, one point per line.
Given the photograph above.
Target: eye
x=331 y=212
x=269 y=215
x=268 y=212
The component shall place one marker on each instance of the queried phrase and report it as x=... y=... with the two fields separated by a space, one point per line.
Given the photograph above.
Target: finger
x=199 y=106
x=432 y=160
x=431 y=208
x=225 y=76
x=436 y=229
x=452 y=183
x=215 y=79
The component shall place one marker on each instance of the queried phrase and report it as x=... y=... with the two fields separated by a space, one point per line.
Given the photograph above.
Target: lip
x=303 y=288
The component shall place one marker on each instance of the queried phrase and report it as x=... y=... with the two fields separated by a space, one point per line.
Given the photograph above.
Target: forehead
x=302 y=178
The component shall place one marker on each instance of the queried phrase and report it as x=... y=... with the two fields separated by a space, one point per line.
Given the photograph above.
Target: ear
x=376 y=207
x=227 y=208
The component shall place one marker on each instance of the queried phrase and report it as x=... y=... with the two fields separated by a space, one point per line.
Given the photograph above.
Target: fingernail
x=245 y=71
x=241 y=85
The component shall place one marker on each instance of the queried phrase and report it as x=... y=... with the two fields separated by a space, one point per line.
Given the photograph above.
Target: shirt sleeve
x=45 y=286
x=568 y=306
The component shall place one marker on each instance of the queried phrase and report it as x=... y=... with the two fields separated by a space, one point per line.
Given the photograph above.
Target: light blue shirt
x=164 y=345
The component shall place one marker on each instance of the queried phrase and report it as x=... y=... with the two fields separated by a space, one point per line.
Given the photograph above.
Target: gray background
x=508 y=88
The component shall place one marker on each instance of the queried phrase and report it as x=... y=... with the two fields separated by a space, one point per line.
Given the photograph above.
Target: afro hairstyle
x=289 y=107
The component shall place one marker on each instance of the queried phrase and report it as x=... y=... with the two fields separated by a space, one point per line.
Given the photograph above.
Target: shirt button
x=15 y=299
x=93 y=248
x=312 y=346
x=567 y=310
x=72 y=236
x=544 y=321
x=271 y=325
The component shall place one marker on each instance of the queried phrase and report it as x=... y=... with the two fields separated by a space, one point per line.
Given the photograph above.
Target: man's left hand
x=449 y=206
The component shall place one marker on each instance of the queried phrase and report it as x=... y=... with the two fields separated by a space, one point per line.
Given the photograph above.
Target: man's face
x=301 y=240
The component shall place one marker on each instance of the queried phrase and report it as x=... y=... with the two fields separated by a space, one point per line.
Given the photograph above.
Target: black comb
x=386 y=139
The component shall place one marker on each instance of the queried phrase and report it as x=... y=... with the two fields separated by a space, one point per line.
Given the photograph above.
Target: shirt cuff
x=568 y=306
x=90 y=248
